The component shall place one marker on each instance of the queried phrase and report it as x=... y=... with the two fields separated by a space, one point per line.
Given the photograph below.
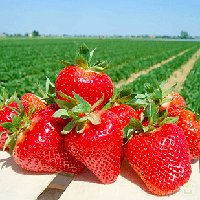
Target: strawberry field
x=23 y=62
x=126 y=127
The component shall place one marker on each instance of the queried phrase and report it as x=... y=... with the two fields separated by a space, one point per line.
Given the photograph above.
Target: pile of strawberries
x=83 y=121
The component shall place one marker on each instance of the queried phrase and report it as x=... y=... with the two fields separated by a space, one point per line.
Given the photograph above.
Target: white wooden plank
x=128 y=186
x=19 y=184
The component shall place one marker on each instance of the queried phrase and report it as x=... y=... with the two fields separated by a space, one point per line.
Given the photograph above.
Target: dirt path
x=136 y=75
x=180 y=75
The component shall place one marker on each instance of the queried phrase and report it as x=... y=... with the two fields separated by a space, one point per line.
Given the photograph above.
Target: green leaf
x=67 y=97
x=85 y=52
x=80 y=127
x=169 y=120
x=19 y=104
x=158 y=94
x=15 y=109
x=67 y=64
x=170 y=90
x=141 y=102
x=162 y=84
x=135 y=124
x=81 y=108
x=12 y=144
x=69 y=127
x=61 y=113
x=80 y=61
x=91 y=55
x=140 y=96
x=94 y=118
x=16 y=121
x=148 y=87
x=127 y=133
x=50 y=87
x=97 y=103
x=152 y=112
x=8 y=125
x=64 y=104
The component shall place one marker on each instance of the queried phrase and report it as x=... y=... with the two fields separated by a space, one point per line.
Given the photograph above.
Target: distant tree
x=35 y=33
x=184 y=35
x=26 y=35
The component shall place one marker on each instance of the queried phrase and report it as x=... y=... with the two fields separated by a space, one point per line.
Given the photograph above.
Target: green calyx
x=83 y=59
x=20 y=122
x=150 y=101
x=49 y=95
x=78 y=110
x=4 y=100
x=121 y=97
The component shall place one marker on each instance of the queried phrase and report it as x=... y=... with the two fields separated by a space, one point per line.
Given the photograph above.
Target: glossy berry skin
x=99 y=147
x=6 y=116
x=35 y=101
x=176 y=102
x=160 y=158
x=191 y=127
x=89 y=85
x=41 y=148
x=124 y=113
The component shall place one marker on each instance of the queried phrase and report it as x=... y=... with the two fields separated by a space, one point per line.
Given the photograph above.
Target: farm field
x=23 y=62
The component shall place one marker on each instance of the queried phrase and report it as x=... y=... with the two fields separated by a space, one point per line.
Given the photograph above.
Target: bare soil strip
x=136 y=75
x=180 y=75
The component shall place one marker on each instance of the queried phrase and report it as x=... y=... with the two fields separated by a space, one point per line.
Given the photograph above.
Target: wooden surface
x=19 y=184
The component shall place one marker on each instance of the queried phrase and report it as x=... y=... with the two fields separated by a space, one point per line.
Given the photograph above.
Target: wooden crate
x=19 y=184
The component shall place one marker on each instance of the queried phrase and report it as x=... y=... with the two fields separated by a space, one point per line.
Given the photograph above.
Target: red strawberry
x=6 y=116
x=89 y=85
x=191 y=127
x=85 y=79
x=160 y=158
x=41 y=147
x=177 y=101
x=35 y=101
x=99 y=147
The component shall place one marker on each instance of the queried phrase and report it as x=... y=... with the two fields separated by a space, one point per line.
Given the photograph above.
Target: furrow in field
x=136 y=75
x=179 y=76
x=161 y=73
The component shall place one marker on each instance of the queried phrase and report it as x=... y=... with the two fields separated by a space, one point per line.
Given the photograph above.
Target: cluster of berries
x=82 y=121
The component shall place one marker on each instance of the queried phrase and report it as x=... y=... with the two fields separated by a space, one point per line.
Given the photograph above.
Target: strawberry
x=191 y=127
x=161 y=158
x=40 y=145
x=177 y=101
x=6 y=114
x=84 y=80
x=35 y=101
x=98 y=147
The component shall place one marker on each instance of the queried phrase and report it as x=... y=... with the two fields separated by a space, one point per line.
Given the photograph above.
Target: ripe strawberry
x=99 y=147
x=85 y=79
x=89 y=85
x=41 y=147
x=35 y=101
x=6 y=116
x=160 y=158
x=177 y=101
x=191 y=127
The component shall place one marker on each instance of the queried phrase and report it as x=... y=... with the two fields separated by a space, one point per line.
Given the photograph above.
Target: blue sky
x=114 y=17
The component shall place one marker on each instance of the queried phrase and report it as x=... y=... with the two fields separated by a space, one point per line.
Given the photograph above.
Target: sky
x=105 y=17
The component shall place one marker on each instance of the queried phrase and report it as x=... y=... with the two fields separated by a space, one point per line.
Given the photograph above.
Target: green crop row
x=125 y=71
x=191 y=87
x=161 y=73
x=25 y=61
